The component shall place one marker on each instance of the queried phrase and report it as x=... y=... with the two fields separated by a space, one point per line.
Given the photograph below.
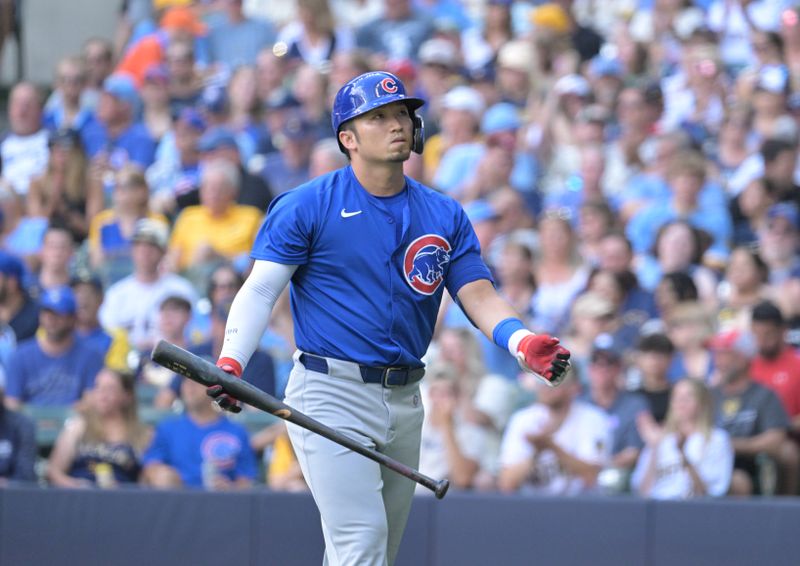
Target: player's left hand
x=216 y=392
x=544 y=357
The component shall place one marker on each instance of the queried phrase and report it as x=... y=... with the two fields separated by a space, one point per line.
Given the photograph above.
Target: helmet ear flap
x=419 y=133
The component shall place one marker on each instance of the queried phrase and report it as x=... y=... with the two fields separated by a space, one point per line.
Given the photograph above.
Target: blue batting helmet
x=369 y=91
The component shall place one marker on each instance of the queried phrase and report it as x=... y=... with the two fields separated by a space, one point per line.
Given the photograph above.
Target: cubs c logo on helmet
x=424 y=263
x=388 y=86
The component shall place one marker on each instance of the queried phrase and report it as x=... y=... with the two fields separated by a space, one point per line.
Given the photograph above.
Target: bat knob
x=441 y=488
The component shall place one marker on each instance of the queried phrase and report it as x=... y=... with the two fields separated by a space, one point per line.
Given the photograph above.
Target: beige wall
x=54 y=28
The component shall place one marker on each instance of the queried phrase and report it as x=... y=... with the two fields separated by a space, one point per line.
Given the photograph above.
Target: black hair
x=767 y=311
x=656 y=342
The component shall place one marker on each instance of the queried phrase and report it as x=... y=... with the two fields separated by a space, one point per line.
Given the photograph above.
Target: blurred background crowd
x=630 y=168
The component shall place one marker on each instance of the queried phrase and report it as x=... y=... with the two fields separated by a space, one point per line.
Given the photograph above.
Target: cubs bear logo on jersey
x=424 y=263
x=387 y=86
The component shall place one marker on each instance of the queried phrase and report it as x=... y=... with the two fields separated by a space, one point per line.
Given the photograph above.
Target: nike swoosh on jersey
x=346 y=214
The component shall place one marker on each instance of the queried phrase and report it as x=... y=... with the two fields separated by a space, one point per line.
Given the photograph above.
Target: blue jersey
x=364 y=291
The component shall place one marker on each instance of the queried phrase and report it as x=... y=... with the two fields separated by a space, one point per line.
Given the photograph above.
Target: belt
x=387 y=376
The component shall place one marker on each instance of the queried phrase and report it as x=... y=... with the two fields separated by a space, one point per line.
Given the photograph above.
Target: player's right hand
x=544 y=357
x=222 y=399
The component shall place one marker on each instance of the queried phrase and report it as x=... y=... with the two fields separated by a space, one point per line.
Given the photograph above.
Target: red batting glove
x=222 y=399
x=544 y=357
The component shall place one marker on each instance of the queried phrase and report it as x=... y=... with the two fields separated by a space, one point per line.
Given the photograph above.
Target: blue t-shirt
x=36 y=378
x=133 y=145
x=357 y=293
x=185 y=445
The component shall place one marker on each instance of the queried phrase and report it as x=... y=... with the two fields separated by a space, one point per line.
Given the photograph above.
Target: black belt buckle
x=395 y=377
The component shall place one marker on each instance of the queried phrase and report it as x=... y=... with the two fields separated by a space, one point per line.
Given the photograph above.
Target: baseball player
x=369 y=253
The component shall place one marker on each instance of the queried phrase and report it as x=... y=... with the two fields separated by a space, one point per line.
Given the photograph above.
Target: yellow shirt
x=229 y=235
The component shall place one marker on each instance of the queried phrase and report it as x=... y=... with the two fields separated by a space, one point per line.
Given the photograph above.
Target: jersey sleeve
x=466 y=263
x=159 y=450
x=285 y=235
x=716 y=467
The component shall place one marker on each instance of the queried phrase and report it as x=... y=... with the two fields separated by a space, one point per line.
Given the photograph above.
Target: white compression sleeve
x=252 y=307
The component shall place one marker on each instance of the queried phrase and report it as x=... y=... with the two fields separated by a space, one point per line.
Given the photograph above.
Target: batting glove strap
x=542 y=356
x=216 y=392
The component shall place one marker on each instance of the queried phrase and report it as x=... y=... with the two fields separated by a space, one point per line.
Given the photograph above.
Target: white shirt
x=24 y=157
x=134 y=306
x=584 y=434
x=712 y=458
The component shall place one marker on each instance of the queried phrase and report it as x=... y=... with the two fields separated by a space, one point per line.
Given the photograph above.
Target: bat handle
x=441 y=488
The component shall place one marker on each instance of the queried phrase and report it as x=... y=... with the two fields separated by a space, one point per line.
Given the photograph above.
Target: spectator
x=54 y=367
x=749 y=210
x=174 y=314
x=673 y=289
x=310 y=89
x=221 y=144
x=18 y=448
x=398 y=33
x=237 y=40
x=690 y=326
x=156 y=111
x=88 y=290
x=686 y=176
x=68 y=108
x=102 y=444
x=315 y=36
x=592 y=314
x=270 y=74
x=325 y=157
x=481 y=43
x=199 y=448
x=23 y=149
x=55 y=259
x=115 y=137
x=452 y=446
x=185 y=80
x=750 y=413
x=560 y=272
x=287 y=168
x=178 y=24
x=243 y=104
x=132 y=303
x=217 y=229
x=17 y=308
x=778 y=244
x=98 y=56
x=777 y=364
x=62 y=195
x=688 y=456
x=652 y=362
x=621 y=407
x=175 y=174
x=111 y=231
x=555 y=446
x=743 y=287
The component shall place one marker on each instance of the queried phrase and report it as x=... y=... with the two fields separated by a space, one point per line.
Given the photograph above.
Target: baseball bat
x=197 y=369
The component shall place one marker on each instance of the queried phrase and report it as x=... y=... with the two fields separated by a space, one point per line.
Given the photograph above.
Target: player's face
x=384 y=134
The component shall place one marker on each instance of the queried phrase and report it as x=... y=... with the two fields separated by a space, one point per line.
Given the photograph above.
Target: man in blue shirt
x=369 y=253
x=55 y=367
x=199 y=448
x=114 y=136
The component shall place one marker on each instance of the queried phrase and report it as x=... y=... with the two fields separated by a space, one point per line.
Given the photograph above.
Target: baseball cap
x=60 y=300
x=11 y=266
x=183 y=18
x=572 y=84
x=515 y=55
x=601 y=66
x=193 y=118
x=550 y=16
x=786 y=210
x=438 y=51
x=500 y=117
x=464 y=98
x=773 y=78
x=767 y=311
x=216 y=138
x=156 y=73
x=84 y=276
x=734 y=340
x=606 y=348
x=149 y=231
x=297 y=127
x=402 y=68
x=122 y=87
x=480 y=210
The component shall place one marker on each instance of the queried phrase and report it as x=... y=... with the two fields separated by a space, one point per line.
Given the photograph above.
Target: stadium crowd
x=630 y=168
